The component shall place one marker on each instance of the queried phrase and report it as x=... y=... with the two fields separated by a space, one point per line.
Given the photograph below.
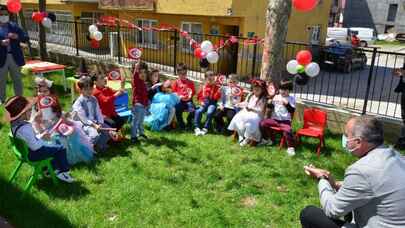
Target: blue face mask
x=344 y=144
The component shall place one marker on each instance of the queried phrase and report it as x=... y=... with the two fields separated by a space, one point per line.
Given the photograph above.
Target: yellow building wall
x=194 y=7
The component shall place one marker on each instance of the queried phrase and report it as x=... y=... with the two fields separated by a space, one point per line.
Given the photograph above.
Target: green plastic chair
x=20 y=150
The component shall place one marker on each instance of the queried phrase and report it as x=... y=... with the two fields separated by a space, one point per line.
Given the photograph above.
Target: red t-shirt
x=139 y=91
x=211 y=92
x=180 y=87
x=105 y=97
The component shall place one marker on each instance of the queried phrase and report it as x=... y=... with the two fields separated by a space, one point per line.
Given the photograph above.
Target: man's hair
x=154 y=70
x=181 y=66
x=369 y=129
x=85 y=82
x=3 y=7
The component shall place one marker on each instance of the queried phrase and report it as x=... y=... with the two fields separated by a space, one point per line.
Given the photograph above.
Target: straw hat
x=16 y=106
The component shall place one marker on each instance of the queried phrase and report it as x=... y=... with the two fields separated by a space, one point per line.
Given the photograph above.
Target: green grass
x=172 y=180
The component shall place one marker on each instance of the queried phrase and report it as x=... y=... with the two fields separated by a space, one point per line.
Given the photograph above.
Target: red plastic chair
x=314 y=126
x=277 y=130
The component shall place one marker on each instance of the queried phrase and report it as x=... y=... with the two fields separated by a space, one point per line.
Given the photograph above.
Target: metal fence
x=368 y=90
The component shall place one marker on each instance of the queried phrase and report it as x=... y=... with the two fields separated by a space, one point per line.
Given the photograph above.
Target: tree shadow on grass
x=172 y=144
x=27 y=211
x=74 y=191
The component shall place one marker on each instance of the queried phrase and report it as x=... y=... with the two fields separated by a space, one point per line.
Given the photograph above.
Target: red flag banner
x=127 y=4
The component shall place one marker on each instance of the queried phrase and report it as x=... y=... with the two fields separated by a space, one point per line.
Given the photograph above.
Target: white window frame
x=315 y=37
x=147 y=39
x=185 y=45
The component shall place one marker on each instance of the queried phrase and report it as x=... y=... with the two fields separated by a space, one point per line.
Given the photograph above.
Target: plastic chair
x=277 y=130
x=20 y=149
x=314 y=126
x=121 y=106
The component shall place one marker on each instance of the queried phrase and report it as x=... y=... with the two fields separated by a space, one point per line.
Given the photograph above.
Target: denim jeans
x=209 y=107
x=138 y=115
x=57 y=152
x=182 y=107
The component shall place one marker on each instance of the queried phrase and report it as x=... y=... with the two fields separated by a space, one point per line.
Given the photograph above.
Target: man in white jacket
x=373 y=187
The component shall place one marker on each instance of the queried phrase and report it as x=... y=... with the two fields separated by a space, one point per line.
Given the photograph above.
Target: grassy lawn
x=172 y=180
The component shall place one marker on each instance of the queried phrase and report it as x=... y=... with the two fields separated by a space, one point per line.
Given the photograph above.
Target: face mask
x=344 y=144
x=4 y=19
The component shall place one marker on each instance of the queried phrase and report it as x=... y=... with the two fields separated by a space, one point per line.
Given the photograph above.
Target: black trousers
x=219 y=118
x=115 y=122
x=314 y=217
x=401 y=140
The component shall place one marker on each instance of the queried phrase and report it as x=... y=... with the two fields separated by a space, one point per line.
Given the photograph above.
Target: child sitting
x=89 y=113
x=162 y=108
x=184 y=88
x=208 y=97
x=140 y=101
x=231 y=96
x=246 y=122
x=284 y=108
x=106 y=98
x=153 y=83
x=19 y=110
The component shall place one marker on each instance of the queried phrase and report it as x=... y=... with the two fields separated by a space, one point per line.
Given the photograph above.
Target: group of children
x=93 y=123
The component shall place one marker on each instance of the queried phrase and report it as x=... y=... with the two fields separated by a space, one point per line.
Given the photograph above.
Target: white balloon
x=46 y=22
x=312 y=69
x=212 y=57
x=292 y=66
x=207 y=46
x=93 y=29
x=97 y=35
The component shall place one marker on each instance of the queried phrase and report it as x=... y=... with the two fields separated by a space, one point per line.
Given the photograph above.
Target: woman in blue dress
x=162 y=109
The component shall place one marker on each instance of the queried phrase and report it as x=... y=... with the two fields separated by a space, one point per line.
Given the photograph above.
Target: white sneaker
x=244 y=142
x=65 y=176
x=266 y=142
x=240 y=138
x=197 y=131
x=204 y=131
x=291 y=151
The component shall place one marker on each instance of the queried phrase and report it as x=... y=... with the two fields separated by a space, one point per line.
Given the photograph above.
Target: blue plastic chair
x=121 y=106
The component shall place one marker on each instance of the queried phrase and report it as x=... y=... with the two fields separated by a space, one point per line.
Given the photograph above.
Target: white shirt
x=280 y=110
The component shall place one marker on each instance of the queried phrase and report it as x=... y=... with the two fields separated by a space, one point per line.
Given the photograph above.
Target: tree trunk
x=278 y=13
x=42 y=33
x=24 y=27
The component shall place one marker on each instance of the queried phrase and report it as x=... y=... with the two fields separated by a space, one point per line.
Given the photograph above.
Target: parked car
x=367 y=36
x=336 y=34
x=343 y=58
x=400 y=37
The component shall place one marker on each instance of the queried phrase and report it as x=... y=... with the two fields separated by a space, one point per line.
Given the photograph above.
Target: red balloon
x=14 y=6
x=304 y=5
x=95 y=44
x=37 y=17
x=199 y=53
x=304 y=57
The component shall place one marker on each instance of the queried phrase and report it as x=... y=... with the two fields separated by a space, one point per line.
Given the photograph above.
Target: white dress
x=247 y=123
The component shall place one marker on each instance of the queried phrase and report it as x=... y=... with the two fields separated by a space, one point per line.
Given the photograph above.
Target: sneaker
x=204 y=131
x=266 y=142
x=240 y=139
x=291 y=151
x=65 y=176
x=197 y=131
x=244 y=142
x=143 y=136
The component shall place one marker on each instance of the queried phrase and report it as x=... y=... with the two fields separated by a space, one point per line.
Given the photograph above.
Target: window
x=90 y=17
x=315 y=34
x=147 y=38
x=392 y=12
x=195 y=31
